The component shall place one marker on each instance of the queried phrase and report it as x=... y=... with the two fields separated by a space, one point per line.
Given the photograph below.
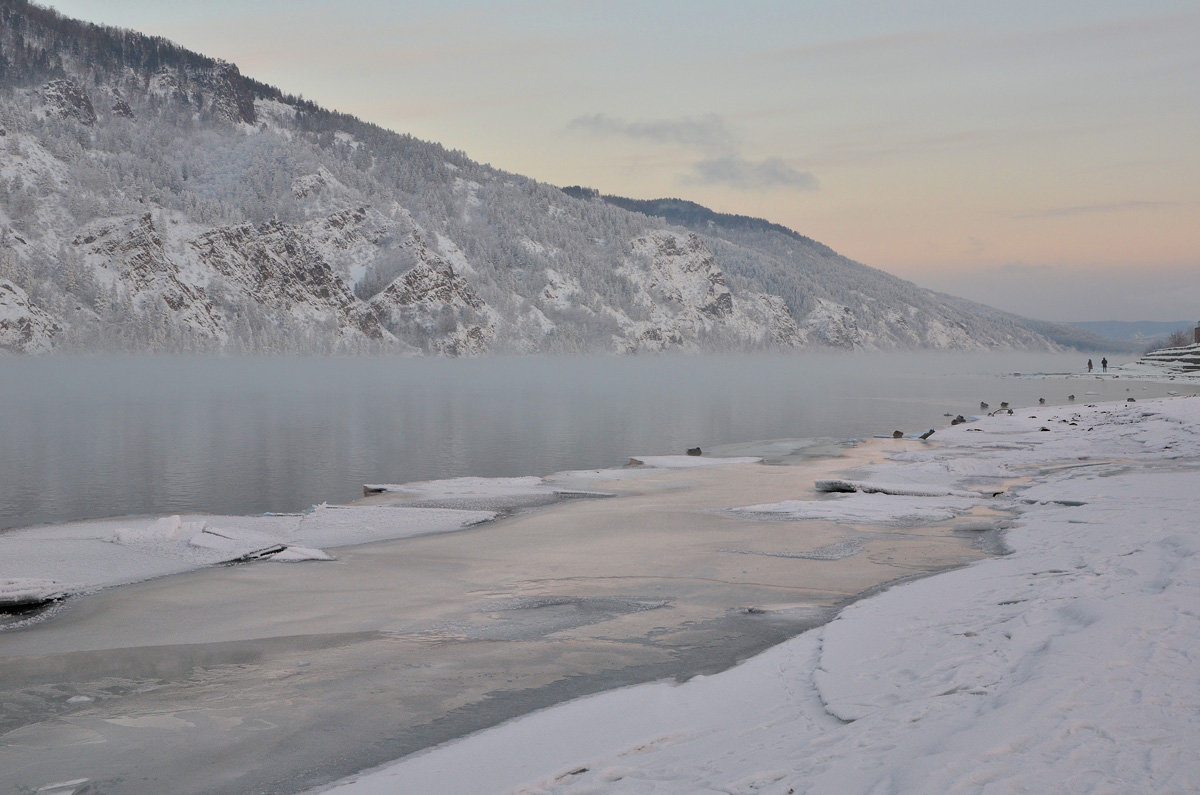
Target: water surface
x=87 y=437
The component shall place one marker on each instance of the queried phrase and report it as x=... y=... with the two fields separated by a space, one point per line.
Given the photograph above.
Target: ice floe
x=82 y=556
x=490 y=493
x=688 y=461
x=19 y=592
x=864 y=508
x=901 y=489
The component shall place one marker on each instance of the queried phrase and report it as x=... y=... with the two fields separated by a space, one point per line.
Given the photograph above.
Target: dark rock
x=66 y=99
x=694 y=451
x=121 y=108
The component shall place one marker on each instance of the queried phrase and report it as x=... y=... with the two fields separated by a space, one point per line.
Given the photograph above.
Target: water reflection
x=99 y=436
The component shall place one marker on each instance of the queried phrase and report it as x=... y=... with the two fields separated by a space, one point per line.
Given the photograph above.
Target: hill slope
x=154 y=199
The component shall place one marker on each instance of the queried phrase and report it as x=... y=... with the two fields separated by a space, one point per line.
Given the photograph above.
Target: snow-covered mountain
x=155 y=199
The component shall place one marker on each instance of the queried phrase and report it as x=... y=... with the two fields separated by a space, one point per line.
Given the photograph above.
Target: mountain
x=155 y=199
x=1141 y=332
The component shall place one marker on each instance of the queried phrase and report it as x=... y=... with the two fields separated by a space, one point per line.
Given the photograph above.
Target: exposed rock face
x=166 y=84
x=24 y=328
x=119 y=106
x=310 y=185
x=685 y=301
x=208 y=282
x=230 y=98
x=682 y=272
x=433 y=305
x=781 y=327
x=277 y=267
x=833 y=325
x=220 y=90
x=66 y=99
x=131 y=252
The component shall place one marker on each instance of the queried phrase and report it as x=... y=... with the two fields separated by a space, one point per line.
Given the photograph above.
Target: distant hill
x=1137 y=331
x=155 y=199
x=701 y=219
x=693 y=215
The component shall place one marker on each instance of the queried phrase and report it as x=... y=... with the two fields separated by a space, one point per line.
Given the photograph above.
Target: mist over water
x=86 y=437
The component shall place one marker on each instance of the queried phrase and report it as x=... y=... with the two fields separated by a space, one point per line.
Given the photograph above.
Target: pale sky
x=1042 y=157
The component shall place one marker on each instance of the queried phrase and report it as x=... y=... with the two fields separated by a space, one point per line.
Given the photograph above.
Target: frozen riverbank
x=1070 y=663
x=281 y=676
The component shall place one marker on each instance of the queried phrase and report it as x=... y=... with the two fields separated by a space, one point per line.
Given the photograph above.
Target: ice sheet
x=689 y=461
x=870 y=508
x=82 y=556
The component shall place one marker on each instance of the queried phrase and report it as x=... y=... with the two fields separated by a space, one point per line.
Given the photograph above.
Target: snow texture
x=83 y=556
x=18 y=591
x=24 y=328
x=688 y=461
x=478 y=487
x=1067 y=665
x=876 y=508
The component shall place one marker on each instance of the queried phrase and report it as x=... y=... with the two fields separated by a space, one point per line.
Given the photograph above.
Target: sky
x=1039 y=157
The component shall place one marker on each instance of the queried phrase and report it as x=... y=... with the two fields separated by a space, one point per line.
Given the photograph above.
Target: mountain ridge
x=155 y=199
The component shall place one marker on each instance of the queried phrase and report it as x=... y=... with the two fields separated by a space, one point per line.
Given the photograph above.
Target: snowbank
x=1069 y=664
x=17 y=592
x=82 y=556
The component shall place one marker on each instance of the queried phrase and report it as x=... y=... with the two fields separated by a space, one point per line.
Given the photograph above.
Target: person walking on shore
x=1089 y=365
x=1104 y=365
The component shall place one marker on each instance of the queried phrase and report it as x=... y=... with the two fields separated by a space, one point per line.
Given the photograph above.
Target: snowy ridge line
x=1069 y=660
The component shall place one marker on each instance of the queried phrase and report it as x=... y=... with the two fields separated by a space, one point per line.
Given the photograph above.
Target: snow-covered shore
x=1071 y=664
x=49 y=562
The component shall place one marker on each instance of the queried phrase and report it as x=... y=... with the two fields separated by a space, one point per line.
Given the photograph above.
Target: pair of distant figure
x=1103 y=365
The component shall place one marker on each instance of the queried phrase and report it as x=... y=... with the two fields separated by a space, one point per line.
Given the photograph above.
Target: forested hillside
x=154 y=199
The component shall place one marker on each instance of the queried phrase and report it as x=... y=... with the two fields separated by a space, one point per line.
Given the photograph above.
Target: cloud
x=1087 y=209
x=721 y=164
x=738 y=172
x=708 y=133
